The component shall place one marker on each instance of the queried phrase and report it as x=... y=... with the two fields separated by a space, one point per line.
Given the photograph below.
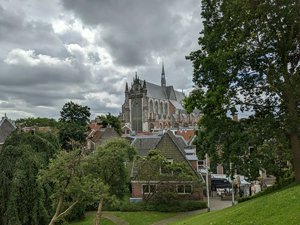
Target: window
x=170 y=160
x=184 y=189
x=149 y=188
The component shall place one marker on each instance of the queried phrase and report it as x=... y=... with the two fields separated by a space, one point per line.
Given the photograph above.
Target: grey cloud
x=133 y=30
x=17 y=32
x=6 y=105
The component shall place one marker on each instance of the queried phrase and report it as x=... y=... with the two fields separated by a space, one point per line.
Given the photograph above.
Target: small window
x=184 y=189
x=149 y=188
x=170 y=160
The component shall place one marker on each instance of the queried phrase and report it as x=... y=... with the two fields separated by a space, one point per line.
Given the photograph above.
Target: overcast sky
x=55 y=51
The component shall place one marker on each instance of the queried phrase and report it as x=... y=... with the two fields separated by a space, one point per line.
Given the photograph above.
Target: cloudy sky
x=55 y=51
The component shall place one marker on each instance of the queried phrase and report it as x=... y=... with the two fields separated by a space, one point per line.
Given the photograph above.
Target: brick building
x=173 y=148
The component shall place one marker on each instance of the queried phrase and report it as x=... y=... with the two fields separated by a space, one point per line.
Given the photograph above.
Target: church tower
x=125 y=106
x=137 y=104
x=163 y=76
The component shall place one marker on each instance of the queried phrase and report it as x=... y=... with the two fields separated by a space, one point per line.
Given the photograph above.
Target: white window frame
x=184 y=189
x=149 y=188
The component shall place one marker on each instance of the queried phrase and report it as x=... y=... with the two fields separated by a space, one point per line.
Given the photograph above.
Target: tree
x=109 y=119
x=40 y=122
x=65 y=174
x=249 y=60
x=74 y=120
x=107 y=166
x=23 y=200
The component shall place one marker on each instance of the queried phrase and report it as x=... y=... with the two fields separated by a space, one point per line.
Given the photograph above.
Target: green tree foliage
x=109 y=161
x=249 y=57
x=39 y=122
x=108 y=174
x=73 y=124
x=65 y=174
x=23 y=200
x=109 y=119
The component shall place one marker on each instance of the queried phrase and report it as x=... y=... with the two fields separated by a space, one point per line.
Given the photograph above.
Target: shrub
x=175 y=206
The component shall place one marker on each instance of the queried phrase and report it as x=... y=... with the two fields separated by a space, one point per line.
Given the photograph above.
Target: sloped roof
x=103 y=133
x=179 y=96
x=186 y=134
x=6 y=127
x=156 y=91
x=170 y=93
x=145 y=143
x=166 y=93
x=181 y=150
x=181 y=142
x=176 y=104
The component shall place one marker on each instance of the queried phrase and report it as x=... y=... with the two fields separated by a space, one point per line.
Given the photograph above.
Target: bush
x=175 y=206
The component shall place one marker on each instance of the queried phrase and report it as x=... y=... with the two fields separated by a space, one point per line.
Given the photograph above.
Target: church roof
x=163 y=93
x=156 y=91
x=176 y=104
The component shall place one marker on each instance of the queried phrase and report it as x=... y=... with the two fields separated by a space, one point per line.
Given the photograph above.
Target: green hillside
x=280 y=208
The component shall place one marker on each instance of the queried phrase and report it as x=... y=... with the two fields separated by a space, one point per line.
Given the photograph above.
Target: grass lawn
x=278 y=208
x=89 y=219
x=143 y=218
x=133 y=218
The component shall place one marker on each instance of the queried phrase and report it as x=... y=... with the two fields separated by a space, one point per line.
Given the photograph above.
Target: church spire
x=163 y=76
x=126 y=87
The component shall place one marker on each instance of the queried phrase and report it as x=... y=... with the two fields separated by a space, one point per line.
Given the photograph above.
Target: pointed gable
x=6 y=127
x=171 y=148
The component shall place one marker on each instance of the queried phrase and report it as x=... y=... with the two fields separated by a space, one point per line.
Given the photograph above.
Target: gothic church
x=149 y=106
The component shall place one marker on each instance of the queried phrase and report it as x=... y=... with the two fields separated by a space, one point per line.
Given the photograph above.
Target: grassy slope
x=133 y=218
x=280 y=208
x=89 y=220
x=143 y=218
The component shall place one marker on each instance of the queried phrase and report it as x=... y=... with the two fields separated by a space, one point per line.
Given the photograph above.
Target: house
x=6 y=127
x=99 y=136
x=172 y=148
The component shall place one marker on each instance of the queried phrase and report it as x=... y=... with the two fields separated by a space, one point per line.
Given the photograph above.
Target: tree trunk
x=58 y=208
x=294 y=119
x=99 y=212
x=57 y=214
x=295 y=144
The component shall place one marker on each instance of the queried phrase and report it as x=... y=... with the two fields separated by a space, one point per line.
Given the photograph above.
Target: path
x=215 y=204
x=114 y=219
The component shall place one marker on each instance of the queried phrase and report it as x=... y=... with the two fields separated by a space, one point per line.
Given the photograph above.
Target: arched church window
x=151 y=106
x=166 y=108
x=161 y=111
x=156 y=107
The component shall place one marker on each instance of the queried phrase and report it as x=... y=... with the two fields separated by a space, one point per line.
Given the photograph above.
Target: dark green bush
x=175 y=206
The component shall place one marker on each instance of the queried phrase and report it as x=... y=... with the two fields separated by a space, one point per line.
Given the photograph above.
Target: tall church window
x=161 y=111
x=156 y=107
x=166 y=108
x=151 y=106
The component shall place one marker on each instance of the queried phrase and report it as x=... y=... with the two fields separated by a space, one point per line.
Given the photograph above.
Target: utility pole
x=207 y=182
x=232 y=185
